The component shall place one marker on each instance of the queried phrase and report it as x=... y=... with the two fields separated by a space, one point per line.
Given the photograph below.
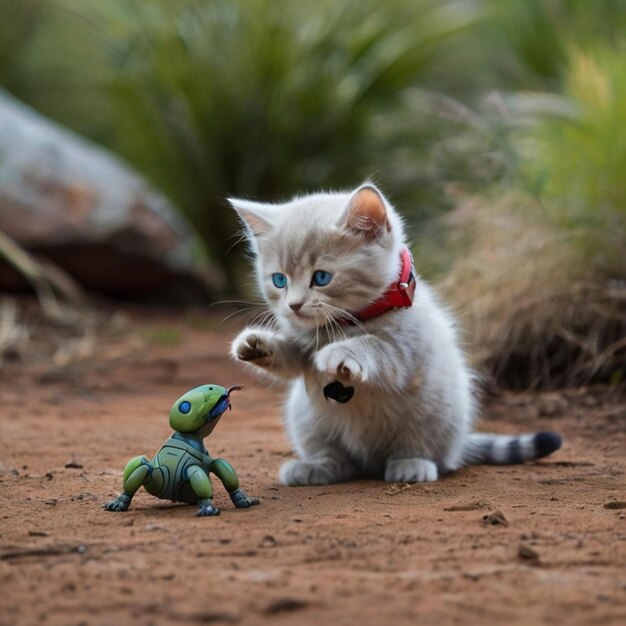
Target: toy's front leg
x=225 y=472
x=136 y=473
x=202 y=487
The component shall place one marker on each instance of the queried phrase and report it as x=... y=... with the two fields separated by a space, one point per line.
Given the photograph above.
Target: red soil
x=358 y=553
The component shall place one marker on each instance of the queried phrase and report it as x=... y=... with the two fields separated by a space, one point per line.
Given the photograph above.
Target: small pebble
x=285 y=605
x=524 y=551
x=495 y=519
x=615 y=504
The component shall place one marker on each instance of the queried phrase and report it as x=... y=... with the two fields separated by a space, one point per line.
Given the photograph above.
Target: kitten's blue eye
x=279 y=280
x=184 y=407
x=322 y=278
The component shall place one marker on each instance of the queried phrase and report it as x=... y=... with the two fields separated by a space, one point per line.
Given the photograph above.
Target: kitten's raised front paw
x=338 y=362
x=254 y=347
x=411 y=470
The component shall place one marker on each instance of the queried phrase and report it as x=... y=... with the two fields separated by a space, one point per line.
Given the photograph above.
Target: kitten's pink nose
x=295 y=306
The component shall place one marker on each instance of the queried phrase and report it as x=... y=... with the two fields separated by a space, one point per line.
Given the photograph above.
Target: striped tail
x=487 y=448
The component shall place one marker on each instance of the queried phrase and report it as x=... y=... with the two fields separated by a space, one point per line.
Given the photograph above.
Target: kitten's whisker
x=263 y=319
x=326 y=320
x=333 y=327
x=340 y=330
x=321 y=325
x=249 y=305
x=269 y=322
x=343 y=316
x=317 y=336
x=233 y=314
x=219 y=302
x=246 y=310
x=240 y=237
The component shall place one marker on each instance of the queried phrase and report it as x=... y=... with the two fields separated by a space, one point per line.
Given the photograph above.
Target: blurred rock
x=552 y=405
x=496 y=518
x=525 y=552
x=73 y=202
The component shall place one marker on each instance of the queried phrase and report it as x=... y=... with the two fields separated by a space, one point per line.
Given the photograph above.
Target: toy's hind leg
x=136 y=473
x=225 y=472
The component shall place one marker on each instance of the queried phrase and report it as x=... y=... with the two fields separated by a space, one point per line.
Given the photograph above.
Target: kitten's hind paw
x=411 y=470
x=253 y=347
x=300 y=473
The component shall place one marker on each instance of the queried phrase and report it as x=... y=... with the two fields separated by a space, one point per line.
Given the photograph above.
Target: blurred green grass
x=162 y=335
x=537 y=261
x=248 y=98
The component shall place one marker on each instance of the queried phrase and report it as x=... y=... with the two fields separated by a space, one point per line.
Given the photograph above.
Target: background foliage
x=496 y=126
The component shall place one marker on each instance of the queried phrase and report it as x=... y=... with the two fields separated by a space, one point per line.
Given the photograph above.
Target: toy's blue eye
x=279 y=280
x=322 y=278
x=184 y=407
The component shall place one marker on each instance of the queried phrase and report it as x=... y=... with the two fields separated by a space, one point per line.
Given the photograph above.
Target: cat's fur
x=414 y=405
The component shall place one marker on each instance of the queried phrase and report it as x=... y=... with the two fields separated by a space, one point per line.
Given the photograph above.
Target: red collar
x=398 y=295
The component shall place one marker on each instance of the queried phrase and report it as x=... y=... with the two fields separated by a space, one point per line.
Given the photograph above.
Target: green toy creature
x=180 y=469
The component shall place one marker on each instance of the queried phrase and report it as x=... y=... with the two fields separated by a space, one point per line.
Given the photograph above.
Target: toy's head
x=200 y=409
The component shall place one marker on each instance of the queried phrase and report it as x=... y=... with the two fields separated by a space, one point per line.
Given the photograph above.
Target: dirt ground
x=358 y=553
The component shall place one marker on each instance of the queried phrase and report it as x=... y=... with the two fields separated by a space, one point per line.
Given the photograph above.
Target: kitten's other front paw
x=338 y=362
x=254 y=347
x=411 y=470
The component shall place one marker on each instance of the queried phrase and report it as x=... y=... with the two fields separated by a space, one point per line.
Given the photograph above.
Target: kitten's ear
x=254 y=215
x=366 y=212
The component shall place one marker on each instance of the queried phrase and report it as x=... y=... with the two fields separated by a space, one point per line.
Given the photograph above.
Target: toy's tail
x=487 y=448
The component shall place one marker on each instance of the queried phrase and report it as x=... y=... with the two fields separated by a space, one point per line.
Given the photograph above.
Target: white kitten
x=378 y=390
